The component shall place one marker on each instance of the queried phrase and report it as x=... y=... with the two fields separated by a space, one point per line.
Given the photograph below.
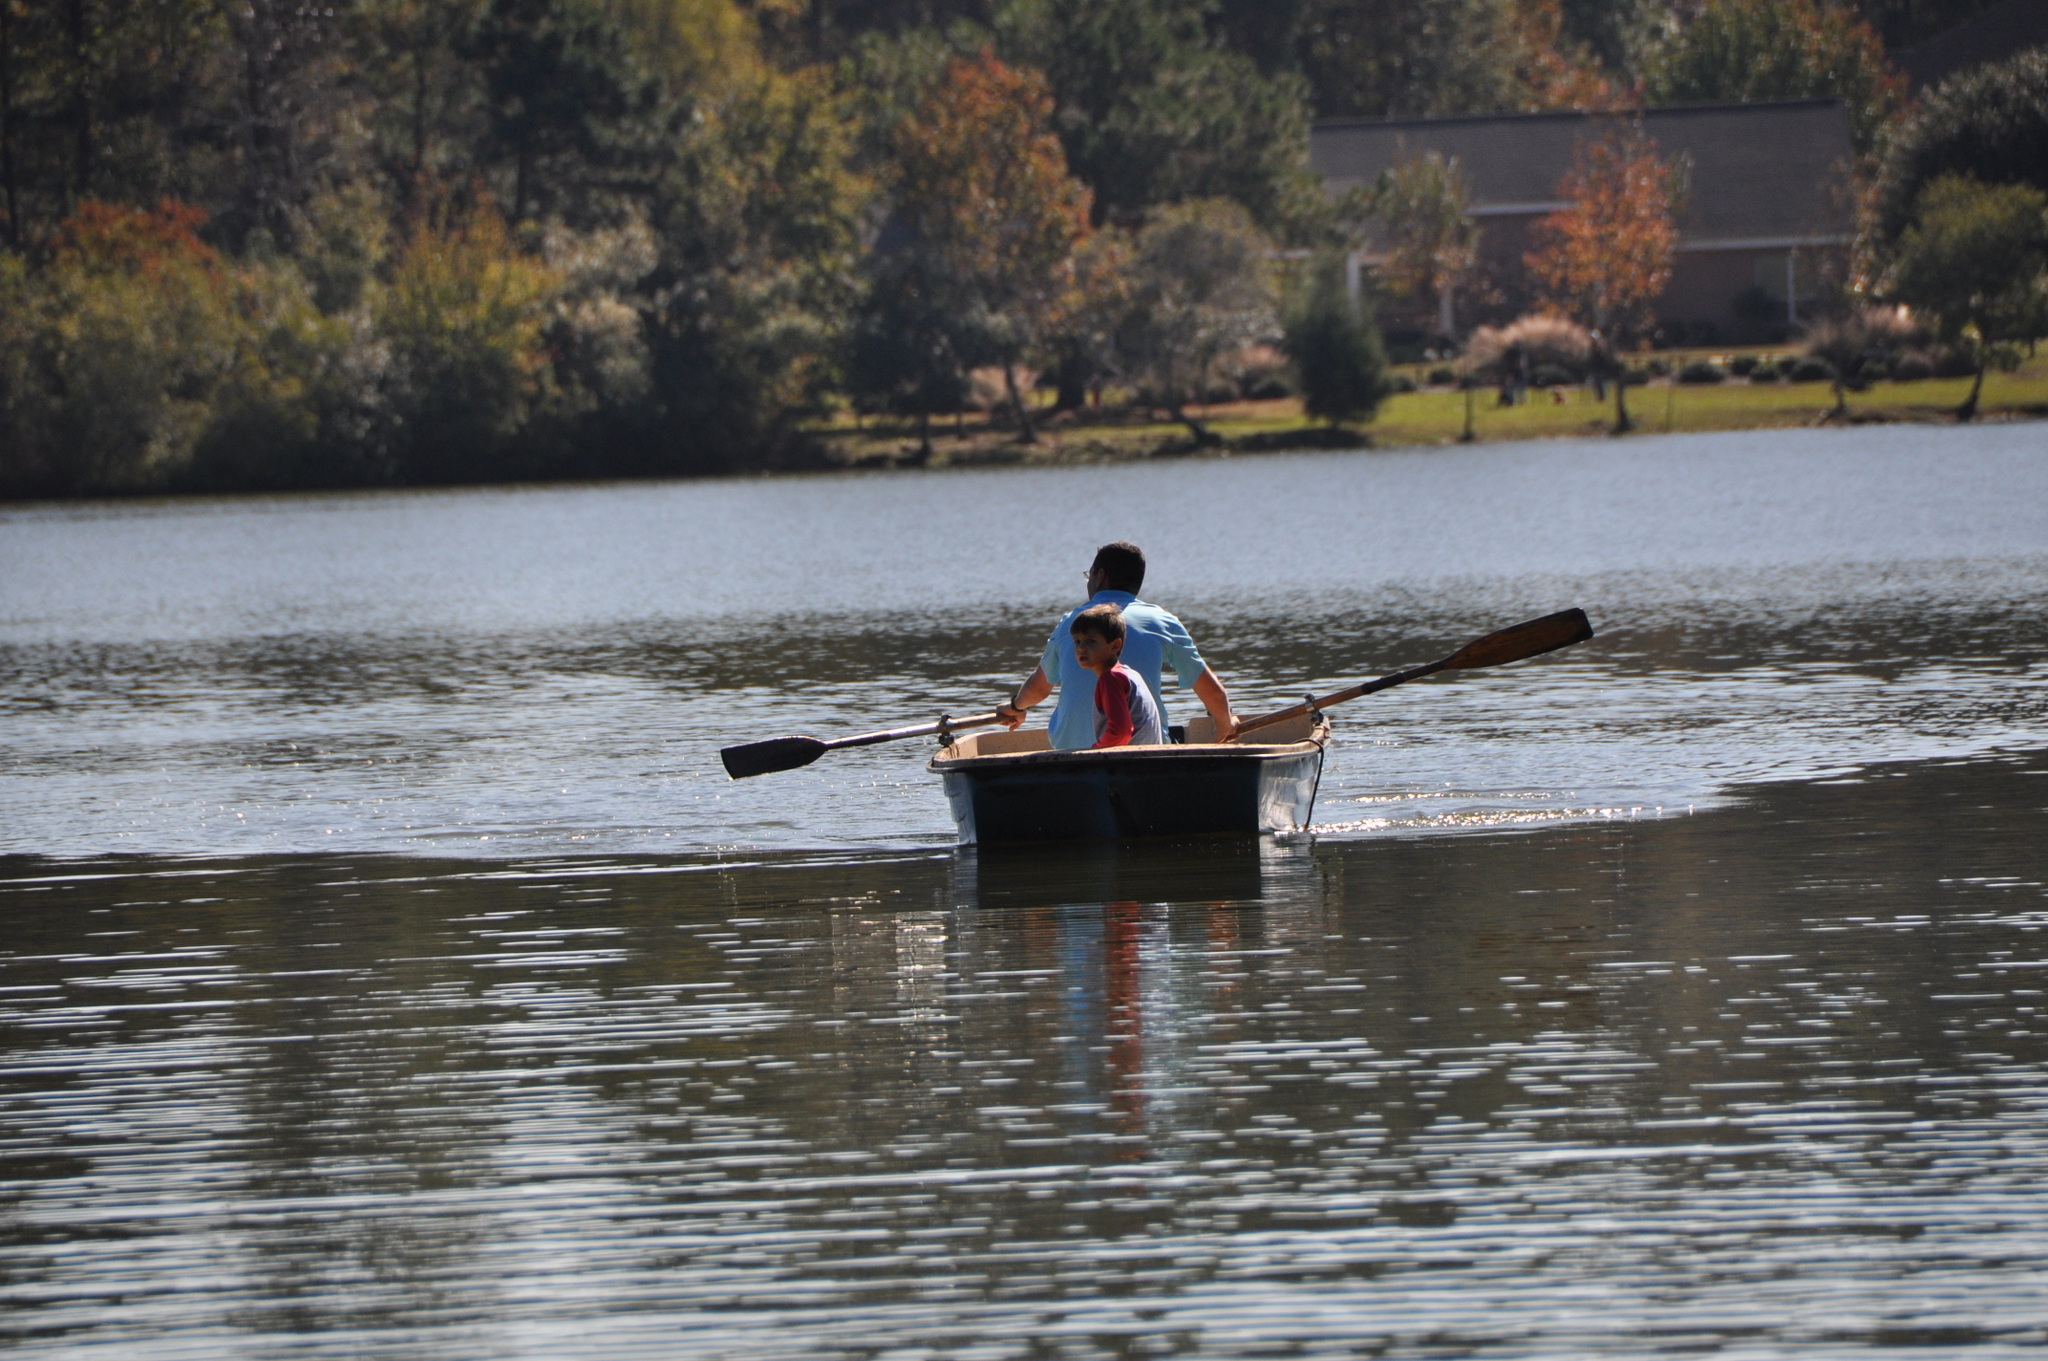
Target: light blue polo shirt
x=1152 y=639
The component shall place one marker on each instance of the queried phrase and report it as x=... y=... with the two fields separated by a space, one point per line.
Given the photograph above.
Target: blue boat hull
x=1132 y=792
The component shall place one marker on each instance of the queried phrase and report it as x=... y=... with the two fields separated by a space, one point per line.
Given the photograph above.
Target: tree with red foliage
x=115 y=238
x=1604 y=259
x=982 y=184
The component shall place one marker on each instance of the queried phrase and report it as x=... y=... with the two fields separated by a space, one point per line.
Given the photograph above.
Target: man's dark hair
x=1104 y=621
x=1122 y=566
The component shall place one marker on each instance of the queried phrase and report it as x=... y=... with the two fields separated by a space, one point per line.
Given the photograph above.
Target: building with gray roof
x=1767 y=218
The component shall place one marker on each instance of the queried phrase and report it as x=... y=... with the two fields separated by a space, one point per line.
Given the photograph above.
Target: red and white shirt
x=1126 y=715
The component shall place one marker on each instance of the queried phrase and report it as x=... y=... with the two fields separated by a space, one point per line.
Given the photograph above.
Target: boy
x=1125 y=712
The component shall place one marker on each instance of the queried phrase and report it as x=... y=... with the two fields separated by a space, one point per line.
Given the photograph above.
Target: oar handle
x=944 y=725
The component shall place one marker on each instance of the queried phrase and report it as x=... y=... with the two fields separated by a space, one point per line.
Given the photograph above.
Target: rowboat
x=1012 y=786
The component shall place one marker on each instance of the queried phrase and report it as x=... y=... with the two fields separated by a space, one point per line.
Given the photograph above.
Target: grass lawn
x=1437 y=416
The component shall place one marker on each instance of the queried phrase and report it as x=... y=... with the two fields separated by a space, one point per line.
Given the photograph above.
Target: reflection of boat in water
x=1132 y=955
x=1006 y=786
x=1224 y=869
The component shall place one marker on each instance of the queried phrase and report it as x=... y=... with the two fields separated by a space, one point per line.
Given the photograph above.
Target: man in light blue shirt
x=1153 y=640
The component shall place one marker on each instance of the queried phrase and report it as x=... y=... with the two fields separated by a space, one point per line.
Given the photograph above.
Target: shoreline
x=1434 y=418
x=1424 y=419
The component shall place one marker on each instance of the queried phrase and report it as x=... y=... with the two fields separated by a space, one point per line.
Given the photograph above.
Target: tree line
x=279 y=243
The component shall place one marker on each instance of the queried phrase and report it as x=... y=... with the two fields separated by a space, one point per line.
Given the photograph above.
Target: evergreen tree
x=559 y=91
x=1334 y=343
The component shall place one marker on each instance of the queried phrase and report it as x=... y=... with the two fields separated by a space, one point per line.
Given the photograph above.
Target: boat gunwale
x=1316 y=742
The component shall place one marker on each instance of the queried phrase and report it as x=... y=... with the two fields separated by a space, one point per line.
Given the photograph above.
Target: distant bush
x=1786 y=364
x=1401 y=382
x=1443 y=376
x=1543 y=339
x=1860 y=346
x=1659 y=367
x=1954 y=362
x=1764 y=373
x=1258 y=372
x=1639 y=374
x=1702 y=371
x=1811 y=371
x=1552 y=376
x=1912 y=368
x=1743 y=365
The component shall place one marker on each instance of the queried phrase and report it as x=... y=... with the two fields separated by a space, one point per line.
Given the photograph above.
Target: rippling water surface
x=387 y=969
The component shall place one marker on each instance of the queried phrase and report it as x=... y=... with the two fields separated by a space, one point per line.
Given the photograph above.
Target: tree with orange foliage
x=104 y=238
x=982 y=186
x=1604 y=259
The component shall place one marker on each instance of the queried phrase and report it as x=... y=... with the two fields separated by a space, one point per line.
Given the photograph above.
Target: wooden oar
x=787 y=753
x=1532 y=639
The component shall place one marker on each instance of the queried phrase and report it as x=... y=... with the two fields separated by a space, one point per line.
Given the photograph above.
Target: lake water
x=388 y=968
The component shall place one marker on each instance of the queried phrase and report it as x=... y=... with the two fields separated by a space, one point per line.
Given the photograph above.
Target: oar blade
x=765 y=758
x=1532 y=639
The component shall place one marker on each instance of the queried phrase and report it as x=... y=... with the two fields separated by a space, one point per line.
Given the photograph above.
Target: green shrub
x=1911 y=368
x=1743 y=365
x=463 y=313
x=1338 y=357
x=1954 y=362
x=1811 y=371
x=1443 y=376
x=1702 y=371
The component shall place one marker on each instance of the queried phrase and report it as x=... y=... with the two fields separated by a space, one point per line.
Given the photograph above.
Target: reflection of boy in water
x=1125 y=712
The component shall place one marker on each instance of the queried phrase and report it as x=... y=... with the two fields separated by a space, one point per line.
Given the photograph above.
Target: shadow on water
x=1769 y=1079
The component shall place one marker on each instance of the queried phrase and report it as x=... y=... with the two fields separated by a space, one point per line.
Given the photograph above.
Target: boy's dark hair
x=1122 y=566
x=1104 y=621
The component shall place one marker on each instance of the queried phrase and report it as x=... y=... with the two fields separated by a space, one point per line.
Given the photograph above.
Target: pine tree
x=1334 y=341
